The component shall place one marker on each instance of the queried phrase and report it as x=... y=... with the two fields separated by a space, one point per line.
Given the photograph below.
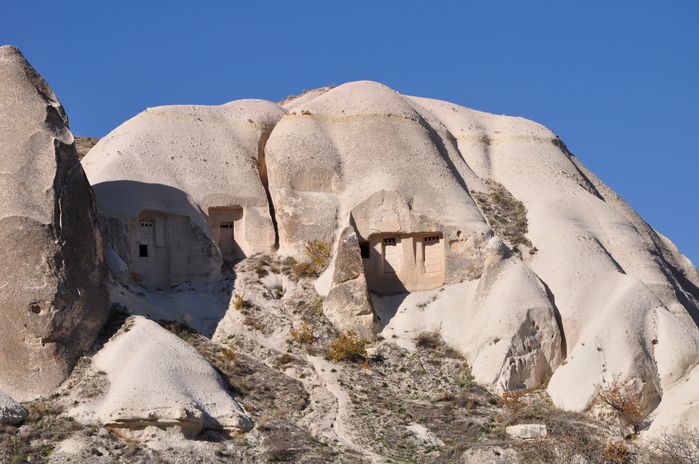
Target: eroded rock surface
x=182 y=187
x=348 y=304
x=52 y=295
x=157 y=380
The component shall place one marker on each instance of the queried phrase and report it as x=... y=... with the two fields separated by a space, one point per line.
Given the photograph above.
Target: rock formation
x=158 y=381
x=348 y=304
x=587 y=292
x=11 y=412
x=180 y=187
x=52 y=295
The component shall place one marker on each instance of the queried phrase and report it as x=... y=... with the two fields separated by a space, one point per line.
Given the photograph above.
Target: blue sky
x=617 y=81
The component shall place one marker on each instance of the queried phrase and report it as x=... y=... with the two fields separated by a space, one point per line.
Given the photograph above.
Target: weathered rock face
x=181 y=187
x=52 y=295
x=360 y=139
x=348 y=305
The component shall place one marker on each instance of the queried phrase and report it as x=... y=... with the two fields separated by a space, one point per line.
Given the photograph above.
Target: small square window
x=142 y=251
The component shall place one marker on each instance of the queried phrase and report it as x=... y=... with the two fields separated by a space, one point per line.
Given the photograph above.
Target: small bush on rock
x=318 y=255
x=615 y=453
x=513 y=401
x=303 y=334
x=348 y=348
x=239 y=302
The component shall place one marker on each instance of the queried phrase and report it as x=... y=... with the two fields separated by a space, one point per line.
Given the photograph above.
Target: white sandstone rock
x=158 y=380
x=180 y=187
x=527 y=431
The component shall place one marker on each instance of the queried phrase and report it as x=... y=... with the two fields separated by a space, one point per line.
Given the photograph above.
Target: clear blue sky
x=618 y=81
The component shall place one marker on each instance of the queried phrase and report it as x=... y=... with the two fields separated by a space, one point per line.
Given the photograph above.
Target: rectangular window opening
x=364 y=249
x=142 y=251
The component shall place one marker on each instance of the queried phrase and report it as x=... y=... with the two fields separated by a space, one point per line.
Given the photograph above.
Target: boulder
x=348 y=304
x=527 y=431
x=11 y=412
x=157 y=380
x=53 y=299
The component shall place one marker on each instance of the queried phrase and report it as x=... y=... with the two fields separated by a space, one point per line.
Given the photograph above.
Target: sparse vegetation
x=304 y=334
x=84 y=144
x=348 y=347
x=239 y=302
x=513 y=401
x=621 y=396
x=318 y=255
x=428 y=340
x=505 y=214
x=679 y=447
x=387 y=392
x=291 y=98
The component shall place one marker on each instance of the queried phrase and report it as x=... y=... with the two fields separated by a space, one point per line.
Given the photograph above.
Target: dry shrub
x=505 y=214
x=318 y=255
x=136 y=277
x=303 y=269
x=620 y=395
x=428 y=340
x=445 y=395
x=239 y=302
x=228 y=354
x=513 y=401
x=679 y=447
x=616 y=453
x=466 y=400
x=304 y=334
x=286 y=358
x=348 y=348
x=567 y=447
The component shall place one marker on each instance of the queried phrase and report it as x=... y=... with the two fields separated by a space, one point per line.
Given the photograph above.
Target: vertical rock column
x=348 y=305
x=53 y=298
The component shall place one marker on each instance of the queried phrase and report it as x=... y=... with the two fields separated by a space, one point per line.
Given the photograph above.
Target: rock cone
x=52 y=295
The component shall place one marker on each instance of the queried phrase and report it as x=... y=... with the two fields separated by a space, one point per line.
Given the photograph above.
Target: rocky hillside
x=350 y=275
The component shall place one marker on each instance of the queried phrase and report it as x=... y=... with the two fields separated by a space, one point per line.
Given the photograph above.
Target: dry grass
x=239 y=302
x=84 y=144
x=318 y=255
x=428 y=340
x=291 y=98
x=505 y=214
x=304 y=334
